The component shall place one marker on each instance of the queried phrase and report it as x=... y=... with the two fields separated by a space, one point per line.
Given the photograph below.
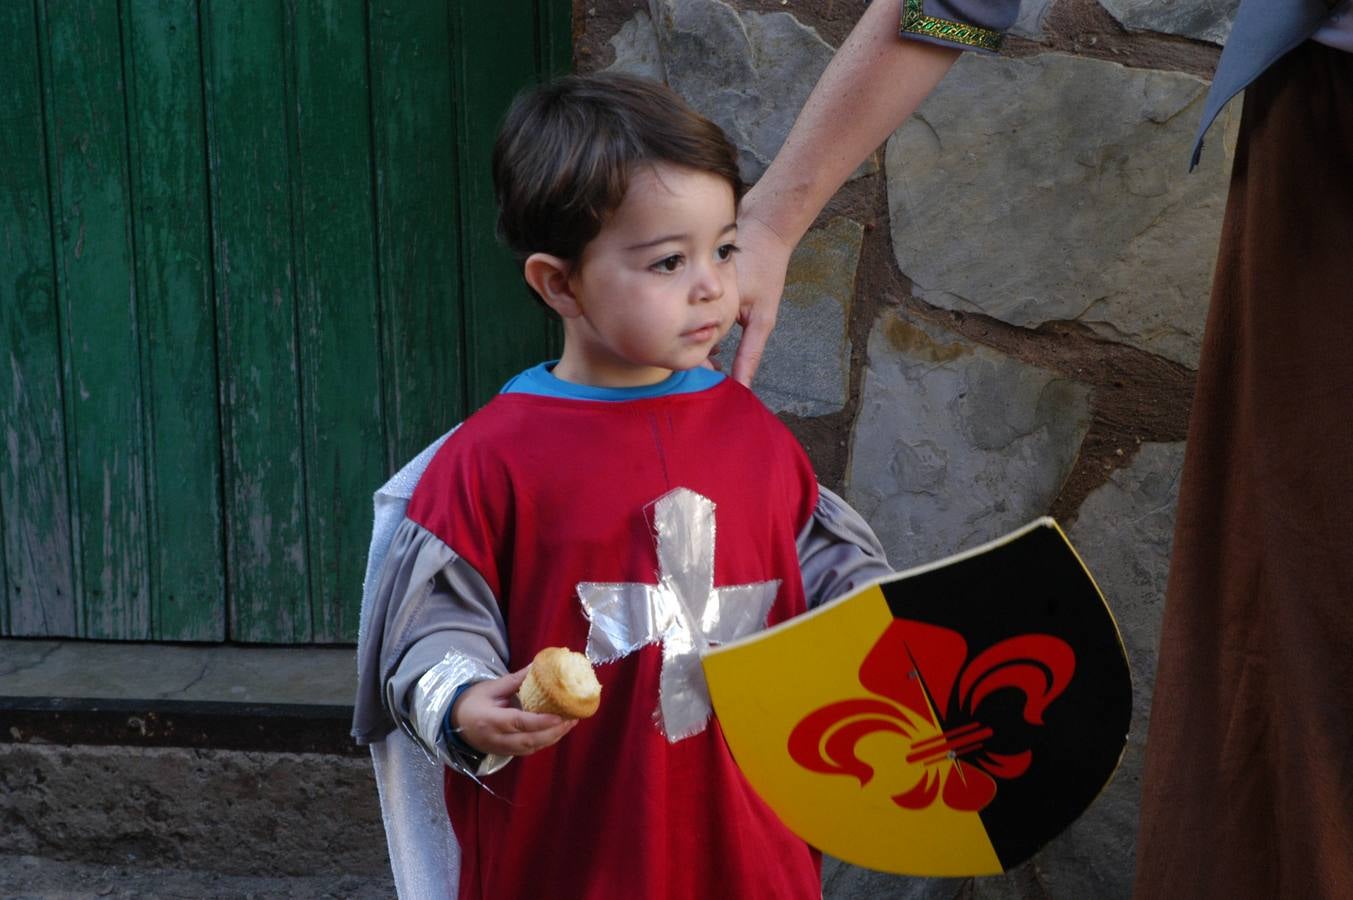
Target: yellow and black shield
x=947 y=721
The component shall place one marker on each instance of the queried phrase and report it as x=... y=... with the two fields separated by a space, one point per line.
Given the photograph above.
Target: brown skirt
x=1248 y=789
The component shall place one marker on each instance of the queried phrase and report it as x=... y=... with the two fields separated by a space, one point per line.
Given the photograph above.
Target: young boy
x=624 y=501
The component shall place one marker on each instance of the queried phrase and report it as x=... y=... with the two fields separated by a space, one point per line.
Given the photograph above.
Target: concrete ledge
x=280 y=699
x=283 y=728
x=211 y=672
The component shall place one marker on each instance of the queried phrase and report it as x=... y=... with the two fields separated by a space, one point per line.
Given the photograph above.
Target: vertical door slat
x=339 y=345
x=95 y=256
x=418 y=254
x=555 y=36
x=38 y=596
x=177 y=320
x=555 y=57
x=506 y=328
x=249 y=140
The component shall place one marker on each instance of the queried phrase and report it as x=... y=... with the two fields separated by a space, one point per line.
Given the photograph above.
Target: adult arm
x=889 y=63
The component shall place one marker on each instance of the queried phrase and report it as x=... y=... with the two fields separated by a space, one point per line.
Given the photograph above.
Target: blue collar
x=540 y=380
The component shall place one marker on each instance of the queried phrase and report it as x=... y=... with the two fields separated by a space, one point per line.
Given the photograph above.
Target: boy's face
x=657 y=287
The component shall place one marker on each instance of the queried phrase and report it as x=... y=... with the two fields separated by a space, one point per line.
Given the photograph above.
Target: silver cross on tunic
x=684 y=611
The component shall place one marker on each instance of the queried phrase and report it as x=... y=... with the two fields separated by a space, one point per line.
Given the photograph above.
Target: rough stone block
x=1056 y=188
x=750 y=72
x=636 y=49
x=956 y=444
x=806 y=370
x=1203 y=20
x=1030 y=21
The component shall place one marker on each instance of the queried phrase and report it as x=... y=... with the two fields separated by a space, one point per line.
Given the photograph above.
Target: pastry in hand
x=560 y=682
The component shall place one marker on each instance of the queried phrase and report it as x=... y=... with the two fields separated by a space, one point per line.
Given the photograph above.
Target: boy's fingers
x=497 y=692
x=530 y=742
x=508 y=685
x=552 y=735
x=522 y=722
x=522 y=733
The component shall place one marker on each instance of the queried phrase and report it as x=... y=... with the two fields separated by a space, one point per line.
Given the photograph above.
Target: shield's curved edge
x=1127 y=664
x=833 y=606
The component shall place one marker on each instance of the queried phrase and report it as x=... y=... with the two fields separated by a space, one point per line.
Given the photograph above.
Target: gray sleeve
x=443 y=629
x=962 y=24
x=838 y=551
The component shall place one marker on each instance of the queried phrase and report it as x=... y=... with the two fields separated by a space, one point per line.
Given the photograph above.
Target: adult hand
x=486 y=719
x=761 y=280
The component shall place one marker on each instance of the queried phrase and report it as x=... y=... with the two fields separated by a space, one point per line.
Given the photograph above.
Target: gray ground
x=32 y=877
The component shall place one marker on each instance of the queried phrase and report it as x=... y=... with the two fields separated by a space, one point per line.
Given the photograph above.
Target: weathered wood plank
x=340 y=341
x=555 y=57
x=4 y=576
x=416 y=213
x=555 y=37
x=38 y=591
x=249 y=138
x=98 y=308
x=186 y=549
x=506 y=329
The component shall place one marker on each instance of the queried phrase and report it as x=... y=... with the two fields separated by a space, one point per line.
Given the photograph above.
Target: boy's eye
x=668 y=264
x=727 y=250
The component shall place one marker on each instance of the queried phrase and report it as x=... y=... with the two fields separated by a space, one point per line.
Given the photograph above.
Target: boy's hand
x=486 y=719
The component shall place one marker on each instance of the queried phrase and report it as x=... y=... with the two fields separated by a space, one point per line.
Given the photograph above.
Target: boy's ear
x=548 y=276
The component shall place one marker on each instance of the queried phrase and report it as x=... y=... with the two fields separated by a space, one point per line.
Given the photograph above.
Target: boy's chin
x=704 y=357
x=703 y=361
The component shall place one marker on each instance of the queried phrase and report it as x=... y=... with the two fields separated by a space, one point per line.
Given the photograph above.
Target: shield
x=947 y=721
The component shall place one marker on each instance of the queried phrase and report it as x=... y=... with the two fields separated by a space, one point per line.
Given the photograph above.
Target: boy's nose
x=709 y=285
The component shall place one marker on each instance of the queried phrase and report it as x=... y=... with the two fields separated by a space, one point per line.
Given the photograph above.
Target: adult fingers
x=752 y=347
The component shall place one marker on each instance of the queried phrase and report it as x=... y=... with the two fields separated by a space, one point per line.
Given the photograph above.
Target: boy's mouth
x=704 y=332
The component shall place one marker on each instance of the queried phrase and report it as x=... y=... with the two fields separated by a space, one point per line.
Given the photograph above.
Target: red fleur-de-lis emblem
x=926 y=693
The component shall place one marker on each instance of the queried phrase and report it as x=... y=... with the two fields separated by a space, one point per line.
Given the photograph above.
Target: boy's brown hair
x=565 y=152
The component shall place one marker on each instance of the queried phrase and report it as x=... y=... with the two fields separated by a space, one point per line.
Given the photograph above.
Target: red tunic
x=542 y=493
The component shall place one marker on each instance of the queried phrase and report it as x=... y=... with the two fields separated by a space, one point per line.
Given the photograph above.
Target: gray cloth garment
x=435 y=605
x=1337 y=30
x=968 y=24
x=424 y=854
x=1264 y=32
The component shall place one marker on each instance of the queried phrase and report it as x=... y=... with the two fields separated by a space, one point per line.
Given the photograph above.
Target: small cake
x=560 y=682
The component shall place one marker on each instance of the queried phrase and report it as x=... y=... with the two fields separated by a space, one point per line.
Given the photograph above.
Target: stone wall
x=997 y=318
x=221 y=811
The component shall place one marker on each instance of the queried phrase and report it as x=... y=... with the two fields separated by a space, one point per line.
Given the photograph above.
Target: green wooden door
x=247 y=267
